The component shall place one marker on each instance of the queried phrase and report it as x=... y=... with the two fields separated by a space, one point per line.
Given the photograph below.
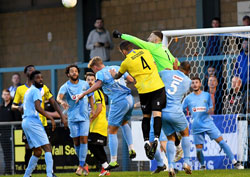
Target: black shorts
x=153 y=101
x=97 y=139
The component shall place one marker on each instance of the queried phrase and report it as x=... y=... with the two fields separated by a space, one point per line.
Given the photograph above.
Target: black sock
x=157 y=126
x=177 y=141
x=145 y=128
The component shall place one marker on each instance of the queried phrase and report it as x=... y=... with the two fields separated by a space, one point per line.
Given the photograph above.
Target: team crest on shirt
x=74 y=97
x=205 y=101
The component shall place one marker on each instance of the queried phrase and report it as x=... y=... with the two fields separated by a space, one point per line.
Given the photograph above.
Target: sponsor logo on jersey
x=199 y=109
x=178 y=78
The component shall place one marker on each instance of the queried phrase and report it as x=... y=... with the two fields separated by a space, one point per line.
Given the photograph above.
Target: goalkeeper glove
x=117 y=34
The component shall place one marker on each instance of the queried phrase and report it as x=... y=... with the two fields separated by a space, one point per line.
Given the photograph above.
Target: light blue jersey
x=31 y=95
x=31 y=124
x=77 y=111
x=198 y=105
x=115 y=89
x=176 y=85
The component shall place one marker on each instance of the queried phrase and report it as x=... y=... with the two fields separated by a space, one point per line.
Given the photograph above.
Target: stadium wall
x=23 y=36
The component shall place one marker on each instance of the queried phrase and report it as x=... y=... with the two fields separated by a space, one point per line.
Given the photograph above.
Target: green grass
x=207 y=173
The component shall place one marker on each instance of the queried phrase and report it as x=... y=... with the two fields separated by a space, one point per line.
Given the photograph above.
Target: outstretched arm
x=114 y=74
x=94 y=87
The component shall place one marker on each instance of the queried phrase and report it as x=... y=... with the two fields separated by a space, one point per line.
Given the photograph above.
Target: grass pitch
x=207 y=173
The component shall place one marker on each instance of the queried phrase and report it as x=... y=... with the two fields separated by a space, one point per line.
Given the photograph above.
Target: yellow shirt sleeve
x=47 y=93
x=17 y=97
x=97 y=96
x=123 y=67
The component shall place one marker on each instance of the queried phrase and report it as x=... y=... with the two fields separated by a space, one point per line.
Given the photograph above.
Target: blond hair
x=95 y=61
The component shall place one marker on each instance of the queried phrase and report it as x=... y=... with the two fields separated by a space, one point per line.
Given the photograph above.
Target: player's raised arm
x=140 y=43
x=114 y=74
x=95 y=87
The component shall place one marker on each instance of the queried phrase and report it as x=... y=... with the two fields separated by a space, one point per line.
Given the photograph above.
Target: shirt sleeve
x=185 y=104
x=99 y=76
x=37 y=95
x=90 y=42
x=62 y=90
x=98 y=97
x=47 y=93
x=123 y=67
x=210 y=102
x=17 y=97
x=140 y=43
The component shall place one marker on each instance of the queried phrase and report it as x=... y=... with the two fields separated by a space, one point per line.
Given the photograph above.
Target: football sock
x=113 y=146
x=226 y=149
x=82 y=154
x=170 y=153
x=145 y=128
x=157 y=126
x=31 y=166
x=77 y=148
x=200 y=156
x=158 y=158
x=185 y=143
x=49 y=163
x=127 y=134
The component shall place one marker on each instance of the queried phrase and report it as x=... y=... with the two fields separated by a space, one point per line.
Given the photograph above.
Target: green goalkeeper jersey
x=162 y=56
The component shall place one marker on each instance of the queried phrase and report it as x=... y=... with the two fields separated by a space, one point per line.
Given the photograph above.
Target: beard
x=74 y=79
x=38 y=85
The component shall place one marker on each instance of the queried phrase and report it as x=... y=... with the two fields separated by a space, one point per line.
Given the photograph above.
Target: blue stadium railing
x=53 y=68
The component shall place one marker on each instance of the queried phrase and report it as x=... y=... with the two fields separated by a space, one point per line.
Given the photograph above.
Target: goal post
x=220 y=57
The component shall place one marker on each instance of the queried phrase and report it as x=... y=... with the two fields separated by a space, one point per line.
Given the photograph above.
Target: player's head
x=16 y=79
x=212 y=81
x=28 y=70
x=72 y=72
x=125 y=47
x=37 y=79
x=245 y=46
x=155 y=37
x=96 y=64
x=90 y=78
x=196 y=83
x=215 y=22
x=236 y=83
x=246 y=20
x=211 y=71
x=185 y=67
x=99 y=23
x=6 y=95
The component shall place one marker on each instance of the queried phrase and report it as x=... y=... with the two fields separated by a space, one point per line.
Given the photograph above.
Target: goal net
x=220 y=57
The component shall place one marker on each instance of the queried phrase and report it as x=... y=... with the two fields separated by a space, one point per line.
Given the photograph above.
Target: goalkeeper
x=162 y=56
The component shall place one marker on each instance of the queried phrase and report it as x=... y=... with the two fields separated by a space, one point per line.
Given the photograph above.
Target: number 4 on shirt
x=144 y=63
